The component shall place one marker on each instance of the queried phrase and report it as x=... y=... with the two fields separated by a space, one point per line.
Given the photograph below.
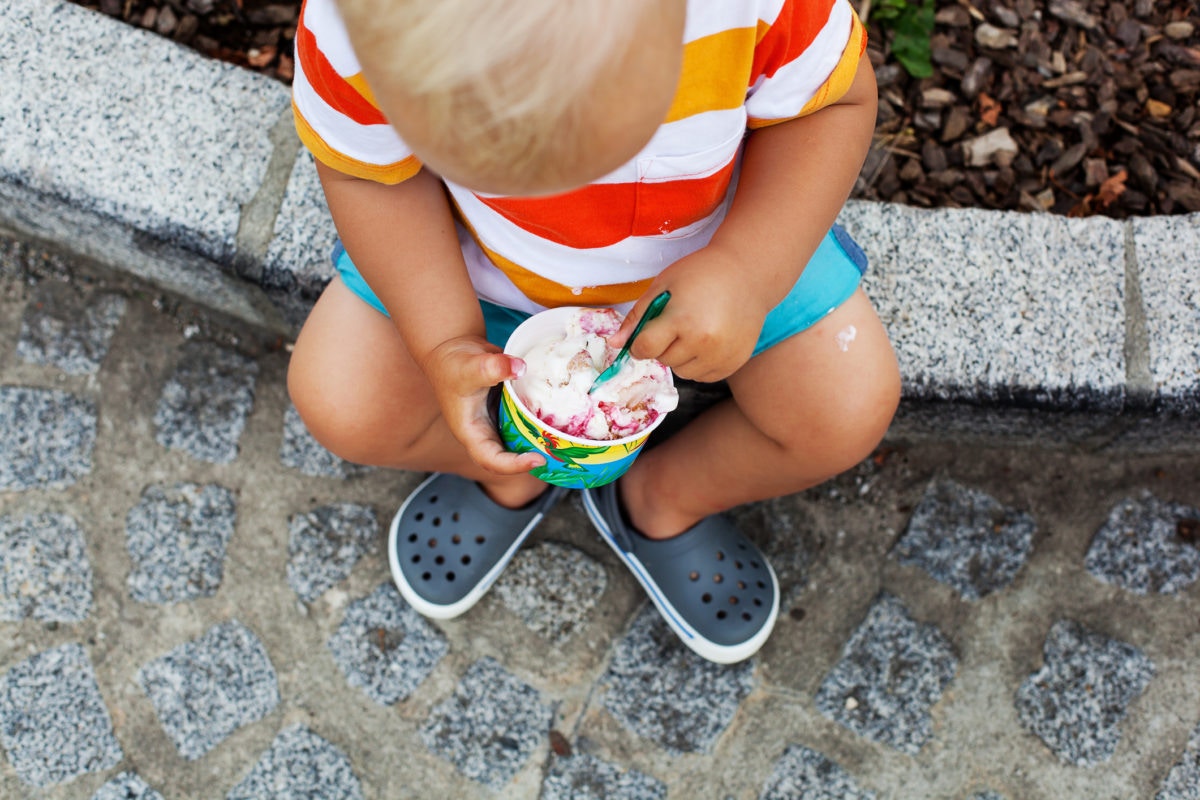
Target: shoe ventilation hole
x=437 y=521
x=761 y=585
x=693 y=576
x=737 y=564
x=741 y=545
x=433 y=498
x=741 y=584
x=454 y=516
x=733 y=601
x=754 y=565
x=420 y=516
x=466 y=560
x=758 y=601
x=433 y=542
x=456 y=539
x=480 y=539
x=439 y=560
x=416 y=559
x=450 y=577
x=746 y=616
x=721 y=614
x=720 y=556
x=718 y=578
x=426 y=576
x=412 y=538
x=707 y=598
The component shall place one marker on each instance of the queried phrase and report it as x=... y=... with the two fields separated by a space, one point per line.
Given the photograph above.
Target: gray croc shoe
x=711 y=584
x=449 y=542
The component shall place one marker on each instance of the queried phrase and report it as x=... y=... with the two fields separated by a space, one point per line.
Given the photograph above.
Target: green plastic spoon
x=653 y=310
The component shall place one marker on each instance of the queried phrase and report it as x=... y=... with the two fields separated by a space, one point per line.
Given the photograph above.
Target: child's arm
x=795 y=177
x=403 y=240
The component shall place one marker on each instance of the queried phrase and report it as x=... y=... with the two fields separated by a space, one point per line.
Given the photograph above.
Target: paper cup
x=571 y=461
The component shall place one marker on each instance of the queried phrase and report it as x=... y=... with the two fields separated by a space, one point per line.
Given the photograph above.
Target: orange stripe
x=380 y=173
x=792 y=32
x=712 y=75
x=839 y=81
x=603 y=214
x=546 y=292
x=340 y=93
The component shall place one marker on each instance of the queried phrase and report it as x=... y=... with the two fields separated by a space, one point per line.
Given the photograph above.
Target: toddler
x=486 y=160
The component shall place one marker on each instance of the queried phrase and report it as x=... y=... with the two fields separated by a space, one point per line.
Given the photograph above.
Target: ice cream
x=560 y=370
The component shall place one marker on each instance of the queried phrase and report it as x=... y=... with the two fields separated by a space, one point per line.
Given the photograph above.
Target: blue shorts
x=832 y=275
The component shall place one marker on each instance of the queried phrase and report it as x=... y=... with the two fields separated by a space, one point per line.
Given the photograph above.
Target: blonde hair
x=502 y=84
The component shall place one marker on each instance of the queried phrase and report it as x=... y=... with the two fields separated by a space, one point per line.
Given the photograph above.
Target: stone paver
x=1147 y=546
x=331 y=686
x=324 y=545
x=802 y=773
x=298 y=259
x=44 y=570
x=966 y=539
x=490 y=727
x=552 y=587
x=892 y=671
x=46 y=438
x=299 y=765
x=1183 y=781
x=206 y=689
x=126 y=786
x=667 y=694
x=66 y=329
x=386 y=648
x=1076 y=701
x=586 y=777
x=53 y=721
x=302 y=452
x=205 y=402
x=1170 y=287
x=176 y=536
x=952 y=284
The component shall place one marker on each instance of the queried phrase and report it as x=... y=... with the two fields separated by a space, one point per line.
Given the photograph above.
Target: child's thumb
x=501 y=367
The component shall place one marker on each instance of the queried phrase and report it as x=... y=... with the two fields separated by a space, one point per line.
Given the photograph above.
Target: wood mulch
x=1076 y=107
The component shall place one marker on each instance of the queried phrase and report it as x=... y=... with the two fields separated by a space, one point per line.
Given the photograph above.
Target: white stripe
x=706 y=17
x=371 y=144
x=321 y=17
x=785 y=93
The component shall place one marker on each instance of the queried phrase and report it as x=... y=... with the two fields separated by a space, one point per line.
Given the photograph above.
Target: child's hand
x=462 y=371
x=709 y=329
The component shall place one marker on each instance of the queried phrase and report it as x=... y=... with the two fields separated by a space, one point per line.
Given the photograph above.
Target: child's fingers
x=630 y=322
x=490 y=454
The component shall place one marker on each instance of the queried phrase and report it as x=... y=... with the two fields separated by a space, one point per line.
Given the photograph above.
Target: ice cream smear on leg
x=560 y=370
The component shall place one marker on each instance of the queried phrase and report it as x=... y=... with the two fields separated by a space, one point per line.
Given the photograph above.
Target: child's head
x=520 y=96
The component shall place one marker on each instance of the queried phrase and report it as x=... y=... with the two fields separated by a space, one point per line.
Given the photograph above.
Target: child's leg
x=802 y=411
x=365 y=399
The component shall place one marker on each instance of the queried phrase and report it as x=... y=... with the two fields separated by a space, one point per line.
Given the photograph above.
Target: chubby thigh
x=357 y=388
x=830 y=390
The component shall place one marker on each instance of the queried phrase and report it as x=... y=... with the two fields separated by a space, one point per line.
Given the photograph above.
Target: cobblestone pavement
x=194 y=603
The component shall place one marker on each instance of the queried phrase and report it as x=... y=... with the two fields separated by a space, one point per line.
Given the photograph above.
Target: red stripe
x=332 y=87
x=792 y=32
x=603 y=214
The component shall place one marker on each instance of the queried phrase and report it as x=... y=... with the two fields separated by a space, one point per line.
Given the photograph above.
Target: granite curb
x=149 y=160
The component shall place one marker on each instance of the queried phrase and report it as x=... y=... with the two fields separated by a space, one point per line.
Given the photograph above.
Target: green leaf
x=912 y=28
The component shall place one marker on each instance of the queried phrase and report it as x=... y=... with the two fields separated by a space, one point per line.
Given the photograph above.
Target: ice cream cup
x=571 y=461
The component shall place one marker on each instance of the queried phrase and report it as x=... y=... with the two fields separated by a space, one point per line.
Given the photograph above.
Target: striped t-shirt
x=746 y=64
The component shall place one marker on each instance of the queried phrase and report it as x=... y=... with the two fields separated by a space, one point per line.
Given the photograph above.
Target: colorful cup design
x=571 y=461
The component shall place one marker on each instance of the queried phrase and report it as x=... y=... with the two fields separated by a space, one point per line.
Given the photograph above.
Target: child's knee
x=847 y=429
x=327 y=409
